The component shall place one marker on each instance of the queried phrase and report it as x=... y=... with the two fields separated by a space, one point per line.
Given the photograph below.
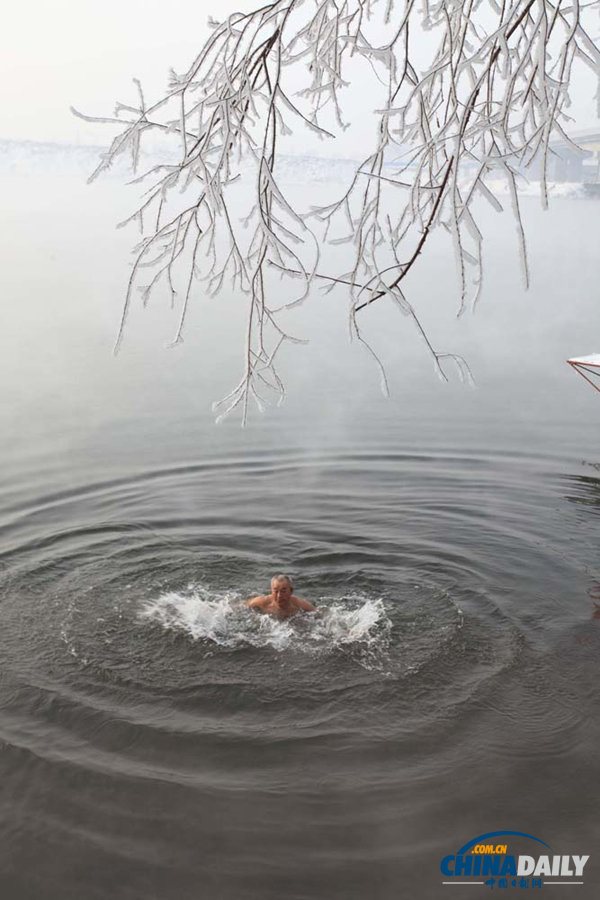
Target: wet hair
x=283 y=578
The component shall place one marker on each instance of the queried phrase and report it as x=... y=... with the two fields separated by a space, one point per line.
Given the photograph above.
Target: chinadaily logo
x=492 y=860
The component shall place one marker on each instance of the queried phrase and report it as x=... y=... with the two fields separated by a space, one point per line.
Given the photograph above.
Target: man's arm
x=255 y=602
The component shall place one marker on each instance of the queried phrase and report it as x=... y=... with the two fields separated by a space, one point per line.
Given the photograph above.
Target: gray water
x=158 y=740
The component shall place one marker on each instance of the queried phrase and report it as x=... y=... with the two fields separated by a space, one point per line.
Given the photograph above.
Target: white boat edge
x=593 y=359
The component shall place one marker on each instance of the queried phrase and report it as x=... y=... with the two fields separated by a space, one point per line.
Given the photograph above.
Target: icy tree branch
x=485 y=98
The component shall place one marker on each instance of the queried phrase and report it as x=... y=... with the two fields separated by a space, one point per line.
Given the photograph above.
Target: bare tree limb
x=483 y=94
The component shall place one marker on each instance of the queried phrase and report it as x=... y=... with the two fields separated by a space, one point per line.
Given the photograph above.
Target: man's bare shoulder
x=303 y=604
x=258 y=601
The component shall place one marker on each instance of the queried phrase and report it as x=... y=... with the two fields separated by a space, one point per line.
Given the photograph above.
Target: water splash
x=224 y=620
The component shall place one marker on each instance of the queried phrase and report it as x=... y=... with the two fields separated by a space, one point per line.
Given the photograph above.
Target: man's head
x=282 y=589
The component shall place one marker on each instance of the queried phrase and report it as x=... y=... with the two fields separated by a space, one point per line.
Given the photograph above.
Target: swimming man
x=281 y=602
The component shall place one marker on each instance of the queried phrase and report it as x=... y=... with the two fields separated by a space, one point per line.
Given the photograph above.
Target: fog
x=65 y=281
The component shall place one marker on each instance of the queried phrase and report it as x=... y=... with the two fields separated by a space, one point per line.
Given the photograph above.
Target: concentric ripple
x=130 y=661
x=140 y=581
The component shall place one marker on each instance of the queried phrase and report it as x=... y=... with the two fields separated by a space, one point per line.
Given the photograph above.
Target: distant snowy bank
x=24 y=158
x=33 y=158
x=532 y=188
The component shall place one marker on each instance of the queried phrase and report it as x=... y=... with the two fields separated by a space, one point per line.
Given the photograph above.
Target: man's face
x=281 y=591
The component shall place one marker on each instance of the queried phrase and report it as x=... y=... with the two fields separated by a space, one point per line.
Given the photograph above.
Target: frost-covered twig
x=484 y=93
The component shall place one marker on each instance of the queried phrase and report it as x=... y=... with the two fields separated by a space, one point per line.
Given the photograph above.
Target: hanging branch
x=485 y=99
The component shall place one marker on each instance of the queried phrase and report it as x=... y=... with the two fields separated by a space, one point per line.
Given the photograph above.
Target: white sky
x=75 y=52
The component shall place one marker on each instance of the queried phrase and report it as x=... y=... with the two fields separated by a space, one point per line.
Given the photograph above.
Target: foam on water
x=223 y=619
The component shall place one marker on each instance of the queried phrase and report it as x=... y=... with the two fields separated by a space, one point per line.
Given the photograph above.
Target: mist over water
x=160 y=740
